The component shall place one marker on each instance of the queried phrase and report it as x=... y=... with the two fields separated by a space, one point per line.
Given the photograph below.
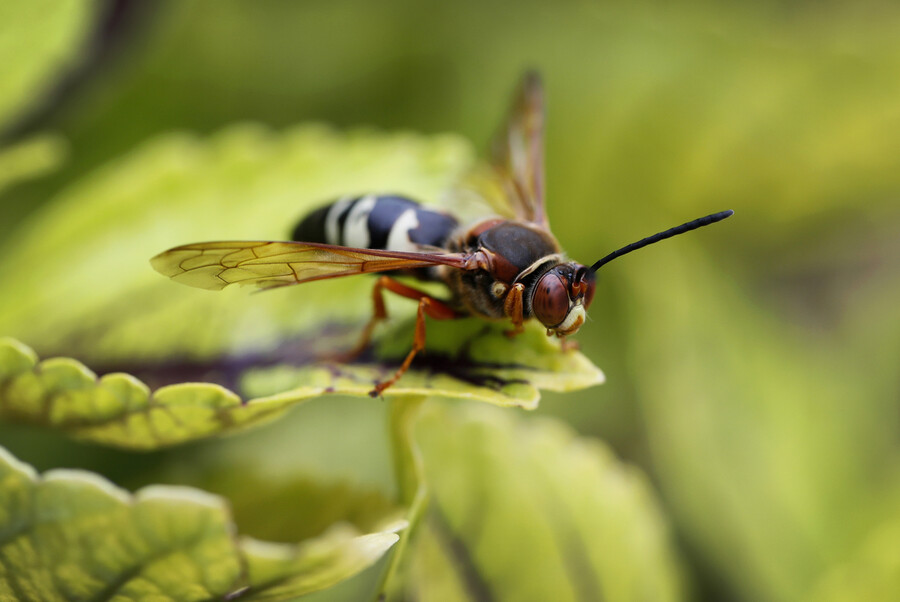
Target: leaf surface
x=37 y=40
x=29 y=159
x=73 y=535
x=118 y=409
x=526 y=510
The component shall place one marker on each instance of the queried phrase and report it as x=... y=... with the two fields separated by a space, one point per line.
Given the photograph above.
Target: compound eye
x=551 y=301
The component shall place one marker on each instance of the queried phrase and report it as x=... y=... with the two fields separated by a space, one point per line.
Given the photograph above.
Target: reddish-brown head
x=561 y=296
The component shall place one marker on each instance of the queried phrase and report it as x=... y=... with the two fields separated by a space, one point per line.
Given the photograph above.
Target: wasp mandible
x=508 y=267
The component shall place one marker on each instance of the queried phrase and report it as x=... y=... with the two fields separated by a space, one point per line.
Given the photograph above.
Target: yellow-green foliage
x=751 y=368
x=71 y=535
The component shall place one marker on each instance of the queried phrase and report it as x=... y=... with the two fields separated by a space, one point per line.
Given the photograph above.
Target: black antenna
x=692 y=225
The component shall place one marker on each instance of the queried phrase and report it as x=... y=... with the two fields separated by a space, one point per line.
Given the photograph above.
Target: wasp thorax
x=561 y=297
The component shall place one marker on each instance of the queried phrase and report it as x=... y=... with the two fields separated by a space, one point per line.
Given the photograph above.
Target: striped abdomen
x=376 y=222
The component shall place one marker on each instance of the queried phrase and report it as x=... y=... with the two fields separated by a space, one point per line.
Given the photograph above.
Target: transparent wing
x=518 y=157
x=268 y=264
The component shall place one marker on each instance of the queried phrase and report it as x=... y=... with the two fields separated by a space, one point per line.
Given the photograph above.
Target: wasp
x=504 y=267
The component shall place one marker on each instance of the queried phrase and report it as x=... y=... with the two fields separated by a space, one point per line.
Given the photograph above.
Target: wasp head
x=561 y=296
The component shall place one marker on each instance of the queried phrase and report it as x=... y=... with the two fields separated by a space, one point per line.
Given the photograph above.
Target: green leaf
x=781 y=497
x=37 y=40
x=118 y=409
x=872 y=573
x=285 y=503
x=73 y=535
x=526 y=510
x=279 y=572
x=30 y=158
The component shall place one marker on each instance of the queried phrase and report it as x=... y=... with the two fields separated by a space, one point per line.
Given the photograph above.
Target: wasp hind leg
x=379 y=313
x=428 y=306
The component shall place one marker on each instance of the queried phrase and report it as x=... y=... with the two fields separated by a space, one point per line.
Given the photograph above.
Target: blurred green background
x=752 y=368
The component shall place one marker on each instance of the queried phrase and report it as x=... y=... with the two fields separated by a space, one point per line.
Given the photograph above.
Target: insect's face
x=561 y=297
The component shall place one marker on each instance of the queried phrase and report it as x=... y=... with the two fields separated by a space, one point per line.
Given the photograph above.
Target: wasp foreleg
x=567 y=344
x=514 y=307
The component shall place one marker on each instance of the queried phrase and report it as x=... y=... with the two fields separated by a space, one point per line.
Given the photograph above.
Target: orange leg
x=567 y=344
x=379 y=313
x=428 y=306
x=514 y=307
